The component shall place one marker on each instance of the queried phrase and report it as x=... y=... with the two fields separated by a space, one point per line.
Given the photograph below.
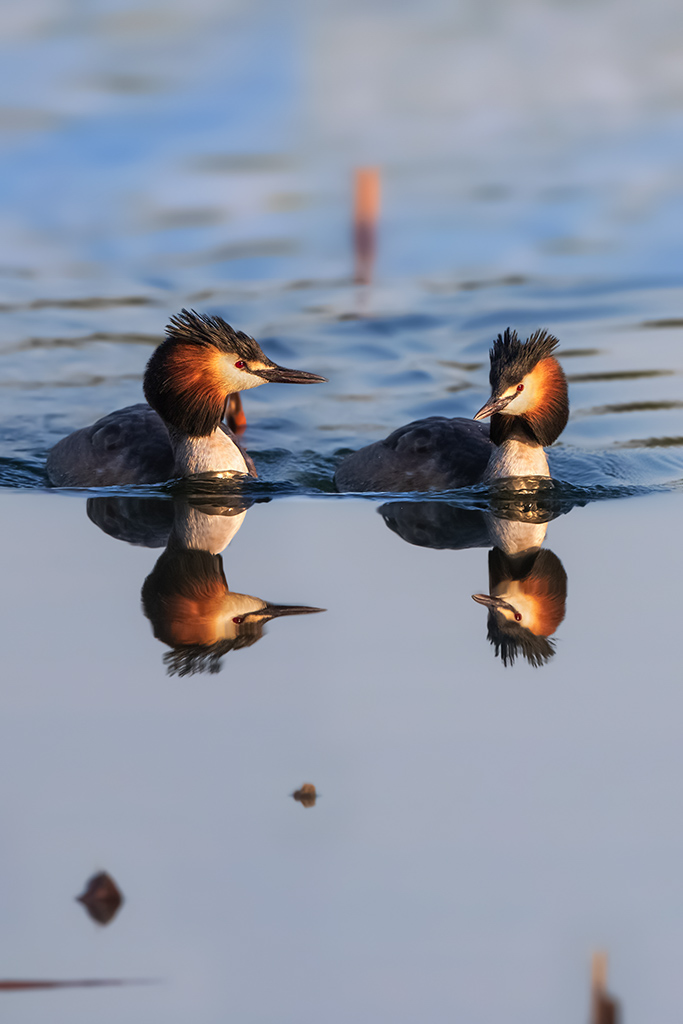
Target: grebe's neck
x=216 y=453
x=516 y=458
x=516 y=451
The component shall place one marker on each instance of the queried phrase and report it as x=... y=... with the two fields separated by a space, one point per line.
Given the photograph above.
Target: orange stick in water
x=235 y=415
x=365 y=218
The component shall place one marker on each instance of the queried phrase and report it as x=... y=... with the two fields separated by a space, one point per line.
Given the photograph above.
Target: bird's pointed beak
x=493 y=405
x=280 y=375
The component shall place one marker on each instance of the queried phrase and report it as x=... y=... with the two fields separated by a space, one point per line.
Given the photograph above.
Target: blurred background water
x=480 y=828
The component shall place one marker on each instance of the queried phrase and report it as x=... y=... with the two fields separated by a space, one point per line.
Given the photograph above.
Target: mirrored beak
x=493 y=405
x=277 y=611
x=492 y=602
x=280 y=375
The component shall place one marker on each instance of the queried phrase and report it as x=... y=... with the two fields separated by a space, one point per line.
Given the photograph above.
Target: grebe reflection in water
x=527 y=583
x=186 y=596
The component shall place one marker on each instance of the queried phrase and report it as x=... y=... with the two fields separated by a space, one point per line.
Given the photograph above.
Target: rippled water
x=385 y=366
x=481 y=826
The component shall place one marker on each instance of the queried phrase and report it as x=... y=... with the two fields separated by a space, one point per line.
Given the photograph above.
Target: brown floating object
x=604 y=1008
x=306 y=795
x=102 y=898
x=365 y=218
x=235 y=415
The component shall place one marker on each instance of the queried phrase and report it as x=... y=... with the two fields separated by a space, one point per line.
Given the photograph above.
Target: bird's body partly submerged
x=433 y=454
x=180 y=433
x=528 y=407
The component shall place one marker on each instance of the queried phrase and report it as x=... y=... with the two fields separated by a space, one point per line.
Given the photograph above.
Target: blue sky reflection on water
x=480 y=830
x=546 y=137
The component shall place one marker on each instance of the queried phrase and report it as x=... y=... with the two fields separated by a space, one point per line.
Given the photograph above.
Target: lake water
x=482 y=824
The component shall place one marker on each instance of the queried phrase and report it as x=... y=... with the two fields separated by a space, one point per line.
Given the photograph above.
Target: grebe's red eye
x=240 y=364
x=520 y=387
x=239 y=619
x=518 y=617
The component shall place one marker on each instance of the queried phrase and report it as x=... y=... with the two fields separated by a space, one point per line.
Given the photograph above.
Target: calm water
x=481 y=827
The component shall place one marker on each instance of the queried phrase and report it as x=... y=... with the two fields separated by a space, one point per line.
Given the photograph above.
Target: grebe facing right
x=529 y=408
x=188 y=381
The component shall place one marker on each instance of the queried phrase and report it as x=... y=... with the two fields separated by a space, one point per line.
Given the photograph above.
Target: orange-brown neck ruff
x=183 y=383
x=546 y=419
x=182 y=596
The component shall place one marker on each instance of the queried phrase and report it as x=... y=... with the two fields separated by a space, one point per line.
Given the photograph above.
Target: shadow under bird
x=188 y=382
x=528 y=407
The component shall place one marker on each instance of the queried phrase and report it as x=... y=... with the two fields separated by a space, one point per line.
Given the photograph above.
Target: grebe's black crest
x=512 y=359
x=190 y=327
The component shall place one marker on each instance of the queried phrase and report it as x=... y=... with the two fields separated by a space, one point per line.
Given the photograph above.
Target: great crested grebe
x=529 y=408
x=188 y=381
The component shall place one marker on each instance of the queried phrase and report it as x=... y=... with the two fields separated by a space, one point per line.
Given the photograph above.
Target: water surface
x=480 y=827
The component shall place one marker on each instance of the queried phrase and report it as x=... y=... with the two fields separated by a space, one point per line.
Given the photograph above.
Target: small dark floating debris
x=306 y=795
x=102 y=898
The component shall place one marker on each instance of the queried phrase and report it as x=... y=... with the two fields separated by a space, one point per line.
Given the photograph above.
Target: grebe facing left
x=188 y=381
x=529 y=408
